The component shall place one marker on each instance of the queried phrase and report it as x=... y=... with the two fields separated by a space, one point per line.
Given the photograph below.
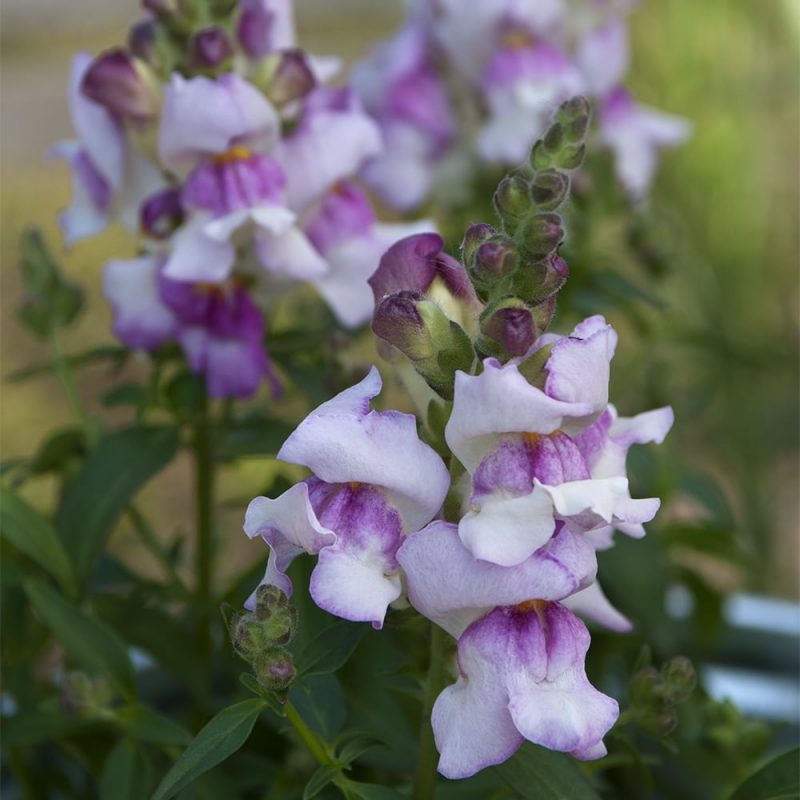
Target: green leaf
x=87 y=640
x=357 y=746
x=319 y=780
x=330 y=650
x=113 y=353
x=127 y=394
x=57 y=451
x=778 y=780
x=220 y=738
x=126 y=773
x=110 y=477
x=320 y=702
x=147 y=726
x=30 y=532
x=372 y=791
x=540 y=774
x=34 y=727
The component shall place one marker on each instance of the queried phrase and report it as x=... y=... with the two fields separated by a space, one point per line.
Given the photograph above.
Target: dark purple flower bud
x=116 y=81
x=510 y=323
x=512 y=200
x=412 y=264
x=209 y=48
x=474 y=237
x=142 y=38
x=541 y=234
x=556 y=273
x=275 y=670
x=291 y=77
x=161 y=214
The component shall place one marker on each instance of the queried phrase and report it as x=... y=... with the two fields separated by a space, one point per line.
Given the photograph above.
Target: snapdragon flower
x=373 y=483
x=516 y=441
x=110 y=177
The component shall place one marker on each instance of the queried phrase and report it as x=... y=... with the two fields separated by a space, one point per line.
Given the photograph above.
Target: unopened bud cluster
x=260 y=638
x=655 y=694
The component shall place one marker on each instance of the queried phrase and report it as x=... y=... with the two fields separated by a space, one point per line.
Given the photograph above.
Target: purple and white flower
x=521 y=676
x=517 y=443
x=346 y=233
x=401 y=89
x=265 y=26
x=110 y=178
x=218 y=327
x=357 y=508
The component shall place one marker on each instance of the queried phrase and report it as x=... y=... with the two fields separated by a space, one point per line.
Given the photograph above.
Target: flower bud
x=541 y=234
x=209 y=48
x=286 y=76
x=268 y=599
x=397 y=320
x=142 y=39
x=474 y=237
x=543 y=313
x=512 y=200
x=574 y=116
x=549 y=189
x=117 y=81
x=275 y=669
x=492 y=261
x=509 y=323
x=680 y=678
x=161 y=214
x=161 y=8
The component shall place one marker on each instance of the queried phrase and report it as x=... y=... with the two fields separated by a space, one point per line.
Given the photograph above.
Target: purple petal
x=592 y=604
x=141 y=319
x=203 y=117
x=342 y=441
x=344 y=212
x=451 y=587
x=603 y=56
x=265 y=26
x=497 y=402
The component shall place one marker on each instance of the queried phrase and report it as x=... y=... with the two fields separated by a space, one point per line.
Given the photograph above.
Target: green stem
x=425 y=778
x=64 y=372
x=310 y=739
x=204 y=519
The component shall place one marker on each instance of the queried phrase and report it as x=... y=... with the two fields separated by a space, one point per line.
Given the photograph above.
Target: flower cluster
x=455 y=84
x=526 y=449
x=233 y=159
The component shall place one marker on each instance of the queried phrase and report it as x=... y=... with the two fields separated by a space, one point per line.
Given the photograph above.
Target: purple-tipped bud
x=510 y=323
x=397 y=320
x=209 y=48
x=142 y=38
x=574 y=116
x=512 y=200
x=413 y=263
x=161 y=214
x=291 y=77
x=541 y=234
x=491 y=261
x=543 y=313
x=556 y=273
x=275 y=670
x=268 y=599
x=474 y=237
x=160 y=8
x=115 y=80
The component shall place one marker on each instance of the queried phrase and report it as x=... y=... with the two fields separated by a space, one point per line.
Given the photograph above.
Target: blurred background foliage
x=712 y=329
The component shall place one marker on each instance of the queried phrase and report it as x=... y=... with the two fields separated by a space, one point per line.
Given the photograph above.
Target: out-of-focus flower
x=357 y=508
x=635 y=134
x=346 y=233
x=402 y=90
x=110 y=178
x=265 y=26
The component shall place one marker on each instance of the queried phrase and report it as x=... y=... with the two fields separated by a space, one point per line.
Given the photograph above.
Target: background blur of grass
x=731 y=67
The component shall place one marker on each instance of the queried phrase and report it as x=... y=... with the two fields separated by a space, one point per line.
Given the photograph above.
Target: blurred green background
x=729 y=352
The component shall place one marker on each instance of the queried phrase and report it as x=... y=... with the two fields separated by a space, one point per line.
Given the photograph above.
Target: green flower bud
x=574 y=116
x=680 y=678
x=269 y=598
x=275 y=669
x=512 y=200
x=541 y=234
x=549 y=189
x=509 y=324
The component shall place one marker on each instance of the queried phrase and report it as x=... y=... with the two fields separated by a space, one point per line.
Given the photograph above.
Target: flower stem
x=310 y=739
x=67 y=379
x=204 y=519
x=425 y=778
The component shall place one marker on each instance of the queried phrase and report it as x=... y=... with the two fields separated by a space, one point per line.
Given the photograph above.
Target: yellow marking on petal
x=517 y=39
x=236 y=153
x=531 y=605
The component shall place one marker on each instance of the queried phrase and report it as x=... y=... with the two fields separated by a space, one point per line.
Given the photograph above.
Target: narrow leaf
x=319 y=780
x=779 y=779
x=540 y=774
x=87 y=640
x=220 y=738
x=111 y=476
x=147 y=726
x=32 y=533
x=126 y=773
x=330 y=650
